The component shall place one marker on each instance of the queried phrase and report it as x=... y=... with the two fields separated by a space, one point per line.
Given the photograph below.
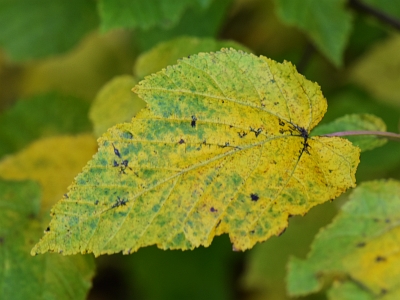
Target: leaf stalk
x=382 y=134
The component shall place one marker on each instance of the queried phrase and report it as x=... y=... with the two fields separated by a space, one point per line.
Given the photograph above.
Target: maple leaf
x=223 y=147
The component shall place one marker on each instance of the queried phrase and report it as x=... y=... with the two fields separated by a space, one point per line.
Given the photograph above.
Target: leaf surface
x=219 y=150
x=361 y=245
x=53 y=162
x=23 y=276
x=356 y=122
x=36 y=30
x=114 y=103
x=326 y=22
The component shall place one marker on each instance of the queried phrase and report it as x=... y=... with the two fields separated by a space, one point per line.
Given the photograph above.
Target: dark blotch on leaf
x=181 y=141
x=1 y=240
x=212 y=209
x=360 y=245
x=119 y=202
x=254 y=197
x=115 y=164
x=47 y=229
x=116 y=151
x=242 y=134
x=193 y=123
x=96 y=202
x=380 y=258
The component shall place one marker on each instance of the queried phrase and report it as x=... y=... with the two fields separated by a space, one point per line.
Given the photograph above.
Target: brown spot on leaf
x=380 y=258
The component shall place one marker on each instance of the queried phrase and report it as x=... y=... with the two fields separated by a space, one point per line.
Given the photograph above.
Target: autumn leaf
x=359 y=249
x=222 y=148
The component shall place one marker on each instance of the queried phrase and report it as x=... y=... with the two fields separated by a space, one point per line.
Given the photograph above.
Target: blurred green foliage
x=55 y=58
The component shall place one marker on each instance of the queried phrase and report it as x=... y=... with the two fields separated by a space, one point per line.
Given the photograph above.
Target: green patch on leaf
x=167 y=53
x=355 y=122
x=34 y=30
x=360 y=245
x=327 y=22
x=22 y=276
x=222 y=148
x=115 y=103
x=41 y=116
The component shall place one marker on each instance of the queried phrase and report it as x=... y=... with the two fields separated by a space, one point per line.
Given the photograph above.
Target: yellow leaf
x=223 y=148
x=53 y=162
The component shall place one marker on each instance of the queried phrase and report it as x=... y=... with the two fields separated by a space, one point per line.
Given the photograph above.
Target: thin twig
x=362 y=7
x=383 y=134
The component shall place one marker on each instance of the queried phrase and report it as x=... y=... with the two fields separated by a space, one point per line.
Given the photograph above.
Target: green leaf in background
x=41 y=116
x=23 y=276
x=348 y=290
x=143 y=14
x=361 y=245
x=264 y=276
x=197 y=21
x=356 y=122
x=115 y=103
x=378 y=71
x=167 y=53
x=30 y=30
x=326 y=22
